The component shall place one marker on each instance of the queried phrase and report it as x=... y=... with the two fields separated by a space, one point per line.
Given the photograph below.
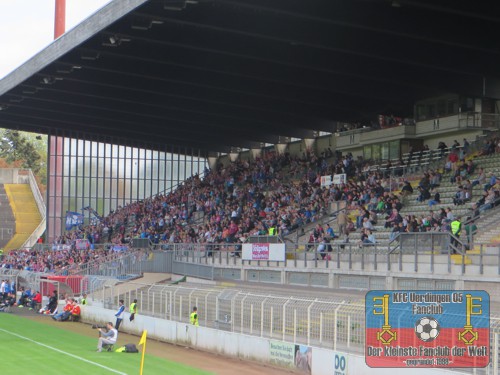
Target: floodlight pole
x=60 y=18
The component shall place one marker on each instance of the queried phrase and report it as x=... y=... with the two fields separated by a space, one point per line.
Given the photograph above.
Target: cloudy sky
x=27 y=26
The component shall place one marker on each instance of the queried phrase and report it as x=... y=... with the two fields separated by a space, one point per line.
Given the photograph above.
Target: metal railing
x=41 y=209
x=6 y=233
x=333 y=323
x=327 y=322
x=435 y=253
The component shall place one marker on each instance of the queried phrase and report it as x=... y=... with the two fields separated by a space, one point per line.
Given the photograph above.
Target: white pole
x=495 y=353
x=295 y=325
x=251 y=318
x=262 y=317
x=321 y=327
x=349 y=331
x=180 y=308
x=271 y=325
x=309 y=322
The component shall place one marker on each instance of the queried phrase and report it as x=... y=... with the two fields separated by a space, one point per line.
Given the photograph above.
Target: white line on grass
x=63 y=352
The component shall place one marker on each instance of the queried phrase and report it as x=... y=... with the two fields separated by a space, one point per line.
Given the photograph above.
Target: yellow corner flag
x=142 y=342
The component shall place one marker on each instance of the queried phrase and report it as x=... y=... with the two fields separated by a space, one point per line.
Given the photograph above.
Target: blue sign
x=73 y=219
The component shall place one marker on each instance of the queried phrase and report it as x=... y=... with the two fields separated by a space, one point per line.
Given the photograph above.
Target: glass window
x=376 y=152
x=103 y=176
x=441 y=107
x=394 y=149
x=431 y=110
x=384 y=151
x=367 y=152
x=452 y=107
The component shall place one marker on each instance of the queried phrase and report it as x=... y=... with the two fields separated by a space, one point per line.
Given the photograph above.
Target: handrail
x=395 y=239
x=483 y=215
x=85 y=266
x=456 y=245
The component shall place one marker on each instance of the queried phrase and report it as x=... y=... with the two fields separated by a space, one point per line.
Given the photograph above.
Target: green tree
x=25 y=150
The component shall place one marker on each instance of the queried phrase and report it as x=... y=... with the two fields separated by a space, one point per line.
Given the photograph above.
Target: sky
x=27 y=27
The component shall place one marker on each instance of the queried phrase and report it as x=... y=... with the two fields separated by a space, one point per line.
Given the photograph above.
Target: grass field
x=29 y=347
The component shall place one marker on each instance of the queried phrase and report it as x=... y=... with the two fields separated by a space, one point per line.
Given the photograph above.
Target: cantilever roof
x=211 y=74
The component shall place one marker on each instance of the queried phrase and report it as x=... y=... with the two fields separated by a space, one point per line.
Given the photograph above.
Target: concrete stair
x=26 y=212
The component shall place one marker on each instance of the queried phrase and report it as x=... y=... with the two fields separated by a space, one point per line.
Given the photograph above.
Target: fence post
x=262 y=317
x=294 y=325
x=309 y=321
x=495 y=353
x=284 y=317
x=242 y=309
x=416 y=253
x=251 y=318
x=180 y=308
x=153 y=307
x=349 y=330
x=271 y=325
x=321 y=327
x=206 y=309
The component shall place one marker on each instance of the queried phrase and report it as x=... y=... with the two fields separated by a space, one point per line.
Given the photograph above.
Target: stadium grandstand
x=270 y=162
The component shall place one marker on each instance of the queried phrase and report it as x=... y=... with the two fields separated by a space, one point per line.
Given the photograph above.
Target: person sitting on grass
x=51 y=307
x=25 y=297
x=75 y=312
x=108 y=337
x=7 y=302
x=36 y=300
x=65 y=314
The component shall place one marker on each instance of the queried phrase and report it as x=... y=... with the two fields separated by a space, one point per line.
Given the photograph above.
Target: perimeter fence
x=336 y=323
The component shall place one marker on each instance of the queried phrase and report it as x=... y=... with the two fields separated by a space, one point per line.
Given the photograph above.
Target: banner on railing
x=60 y=247
x=82 y=244
x=264 y=251
x=337 y=179
x=73 y=219
x=326 y=180
x=119 y=248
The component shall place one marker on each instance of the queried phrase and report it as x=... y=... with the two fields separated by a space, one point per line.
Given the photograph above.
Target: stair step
x=457 y=259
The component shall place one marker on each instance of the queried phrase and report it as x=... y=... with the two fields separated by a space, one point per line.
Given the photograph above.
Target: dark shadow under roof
x=218 y=73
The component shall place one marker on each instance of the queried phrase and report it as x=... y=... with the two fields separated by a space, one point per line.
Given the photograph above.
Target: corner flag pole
x=143 y=343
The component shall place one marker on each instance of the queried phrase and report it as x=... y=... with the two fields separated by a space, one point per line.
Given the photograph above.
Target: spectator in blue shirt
x=119 y=314
x=329 y=231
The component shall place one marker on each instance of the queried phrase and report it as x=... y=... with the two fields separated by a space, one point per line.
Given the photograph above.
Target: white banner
x=336 y=180
x=326 y=181
x=339 y=179
x=264 y=251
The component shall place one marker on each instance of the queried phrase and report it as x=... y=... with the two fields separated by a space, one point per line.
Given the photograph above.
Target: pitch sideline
x=63 y=352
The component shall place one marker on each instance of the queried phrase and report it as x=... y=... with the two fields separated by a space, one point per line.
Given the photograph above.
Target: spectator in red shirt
x=75 y=311
x=66 y=311
x=36 y=300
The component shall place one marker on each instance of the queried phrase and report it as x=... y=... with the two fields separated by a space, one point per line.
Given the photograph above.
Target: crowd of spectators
x=274 y=193
x=465 y=174
x=41 y=260
x=232 y=202
x=7 y=295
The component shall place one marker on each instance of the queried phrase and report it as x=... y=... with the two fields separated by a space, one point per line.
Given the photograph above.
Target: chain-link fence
x=327 y=322
x=334 y=323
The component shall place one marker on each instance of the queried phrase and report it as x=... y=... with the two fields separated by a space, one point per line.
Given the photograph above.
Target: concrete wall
x=237 y=345
x=9 y=176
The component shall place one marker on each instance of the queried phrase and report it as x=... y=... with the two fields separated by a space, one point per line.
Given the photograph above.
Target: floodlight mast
x=59 y=18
